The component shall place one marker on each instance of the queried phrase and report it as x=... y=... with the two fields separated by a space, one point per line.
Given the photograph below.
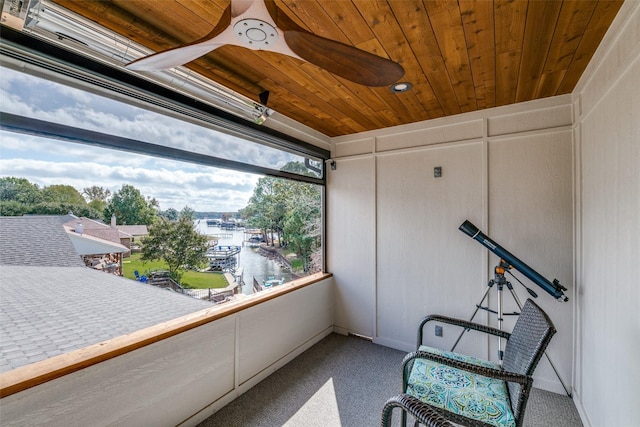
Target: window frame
x=28 y=54
x=32 y=55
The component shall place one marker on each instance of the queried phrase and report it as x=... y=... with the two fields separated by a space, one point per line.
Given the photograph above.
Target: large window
x=138 y=173
x=264 y=229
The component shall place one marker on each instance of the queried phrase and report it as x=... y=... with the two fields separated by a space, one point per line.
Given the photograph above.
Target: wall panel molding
x=421 y=262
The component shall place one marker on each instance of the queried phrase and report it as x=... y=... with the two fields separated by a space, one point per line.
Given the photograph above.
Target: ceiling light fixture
x=400 y=87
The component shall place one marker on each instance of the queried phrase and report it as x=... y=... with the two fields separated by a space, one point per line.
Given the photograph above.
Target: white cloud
x=173 y=184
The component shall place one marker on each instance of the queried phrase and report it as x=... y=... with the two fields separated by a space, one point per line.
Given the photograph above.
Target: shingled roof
x=36 y=241
x=134 y=230
x=46 y=311
x=50 y=303
x=97 y=229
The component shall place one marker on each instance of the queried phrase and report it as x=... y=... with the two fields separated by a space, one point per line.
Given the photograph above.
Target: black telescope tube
x=554 y=289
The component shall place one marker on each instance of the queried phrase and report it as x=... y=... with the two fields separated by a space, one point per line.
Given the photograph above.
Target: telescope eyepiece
x=558 y=286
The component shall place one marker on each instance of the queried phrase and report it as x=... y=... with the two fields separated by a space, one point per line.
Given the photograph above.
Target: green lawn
x=193 y=279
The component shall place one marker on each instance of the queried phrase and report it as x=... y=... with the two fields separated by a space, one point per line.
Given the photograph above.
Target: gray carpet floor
x=344 y=381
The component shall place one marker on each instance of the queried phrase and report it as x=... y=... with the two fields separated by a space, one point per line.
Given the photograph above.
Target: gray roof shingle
x=50 y=303
x=134 y=230
x=36 y=241
x=46 y=311
x=98 y=229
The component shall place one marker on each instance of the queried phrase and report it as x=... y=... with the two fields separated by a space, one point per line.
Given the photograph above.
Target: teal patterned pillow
x=470 y=395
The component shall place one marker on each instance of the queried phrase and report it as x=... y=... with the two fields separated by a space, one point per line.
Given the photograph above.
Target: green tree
x=99 y=206
x=20 y=190
x=261 y=209
x=130 y=207
x=12 y=208
x=188 y=213
x=177 y=243
x=63 y=194
x=279 y=208
x=303 y=225
x=97 y=197
x=96 y=193
x=55 y=208
x=291 y=209
x=171 y=214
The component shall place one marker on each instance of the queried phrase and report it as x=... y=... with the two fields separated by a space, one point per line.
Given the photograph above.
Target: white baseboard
x=398 y=345
x=553 y=386
x=341 y=331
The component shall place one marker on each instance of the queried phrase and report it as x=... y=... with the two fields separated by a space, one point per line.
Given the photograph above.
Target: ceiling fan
x=261 y=25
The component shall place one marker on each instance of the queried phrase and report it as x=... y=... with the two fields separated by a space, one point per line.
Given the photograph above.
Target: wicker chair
x=441 y=385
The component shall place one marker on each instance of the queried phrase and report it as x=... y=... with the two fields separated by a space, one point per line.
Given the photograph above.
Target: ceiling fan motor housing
x=255 y=33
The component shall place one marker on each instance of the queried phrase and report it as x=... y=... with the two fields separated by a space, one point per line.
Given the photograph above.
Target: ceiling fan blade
x=181 y=55
x=280 y=18
x=238 y=7
x=346 y=61
x=172 y=57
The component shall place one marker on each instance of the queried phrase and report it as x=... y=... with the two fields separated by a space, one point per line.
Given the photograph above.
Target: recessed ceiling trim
x=400 y=87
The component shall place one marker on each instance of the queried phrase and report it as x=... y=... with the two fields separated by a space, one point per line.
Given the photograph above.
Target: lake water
x=252 y=263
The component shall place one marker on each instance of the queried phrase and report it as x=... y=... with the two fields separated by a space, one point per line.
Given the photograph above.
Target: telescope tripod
x=500 y=281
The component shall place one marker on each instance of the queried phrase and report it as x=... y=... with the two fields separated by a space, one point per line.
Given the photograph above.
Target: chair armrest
x=421 y=411
x=459 y=322
x=407 y=362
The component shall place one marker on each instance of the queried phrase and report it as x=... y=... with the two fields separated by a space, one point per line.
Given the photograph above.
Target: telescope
x=555 y=289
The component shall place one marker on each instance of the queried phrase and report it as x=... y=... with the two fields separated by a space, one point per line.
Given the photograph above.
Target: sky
x=174 y=184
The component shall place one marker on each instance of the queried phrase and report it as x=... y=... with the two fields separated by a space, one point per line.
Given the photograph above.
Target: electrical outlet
x=437 y=172
x=438 y=331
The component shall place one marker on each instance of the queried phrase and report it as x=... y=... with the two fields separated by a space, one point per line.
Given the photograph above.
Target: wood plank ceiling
x=460 y=56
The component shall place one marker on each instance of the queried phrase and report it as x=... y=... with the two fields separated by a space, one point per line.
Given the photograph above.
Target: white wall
x=607 y=135
x=350 y=201
x=423 y=260
x=530 y=213
x=508 y=170
x=185 y=378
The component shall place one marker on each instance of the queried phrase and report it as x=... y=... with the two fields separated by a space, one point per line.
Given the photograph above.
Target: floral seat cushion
x=464 y=393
